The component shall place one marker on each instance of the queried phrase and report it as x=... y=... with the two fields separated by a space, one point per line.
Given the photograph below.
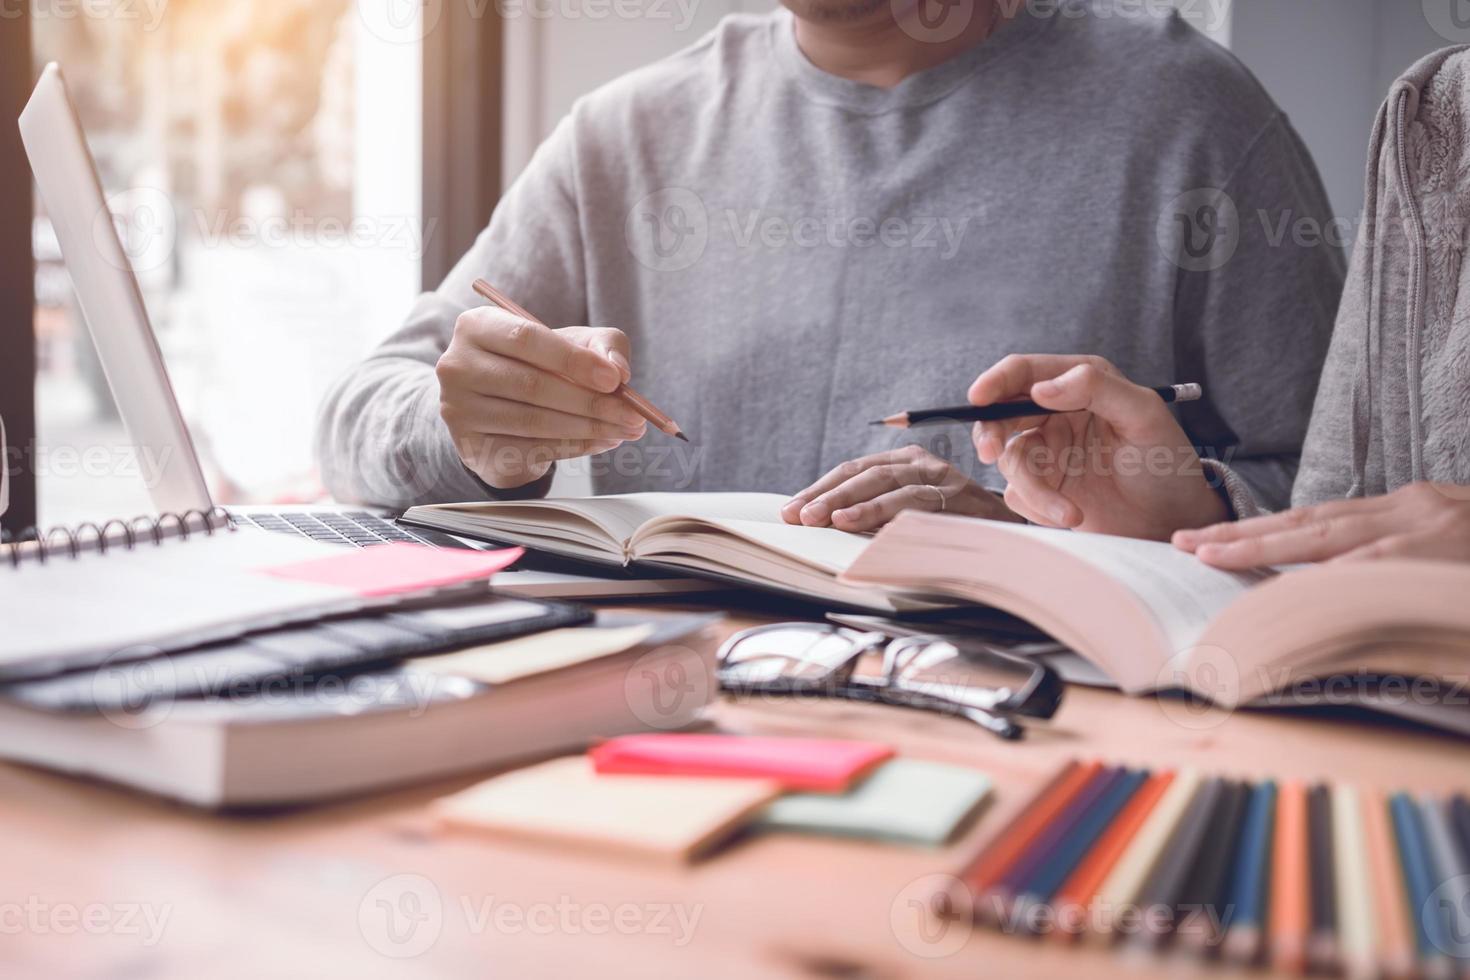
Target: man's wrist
x=535 y=490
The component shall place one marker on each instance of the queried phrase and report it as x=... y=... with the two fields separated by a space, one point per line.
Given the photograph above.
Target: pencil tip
x=681 y=435
x=879 y=422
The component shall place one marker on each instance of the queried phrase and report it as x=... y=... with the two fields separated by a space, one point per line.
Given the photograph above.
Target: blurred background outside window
x=262 y=163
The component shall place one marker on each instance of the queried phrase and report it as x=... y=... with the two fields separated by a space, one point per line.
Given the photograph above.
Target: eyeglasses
x=950 y=675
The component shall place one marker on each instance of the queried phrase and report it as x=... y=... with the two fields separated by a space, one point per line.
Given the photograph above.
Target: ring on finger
x=943 y=500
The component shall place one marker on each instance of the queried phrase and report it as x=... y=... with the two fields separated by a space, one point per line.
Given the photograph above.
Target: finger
x=839 y=475
x=501 y=333
x=1014 y=376
x=1297 y=517
x=501 y=416
x=609 y=343
x=991 y=437
x=868 y=485
x=1029 y=467
x=871 y=514
x=1315 y=541
x=497 y=376
x=1420 y=545
x=1088 y=388
x=1019 y=505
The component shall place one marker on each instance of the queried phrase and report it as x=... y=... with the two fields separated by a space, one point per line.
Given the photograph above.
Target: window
x=262 y=162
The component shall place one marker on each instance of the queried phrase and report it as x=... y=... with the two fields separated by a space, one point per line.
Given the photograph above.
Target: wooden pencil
x=1013 y=840
x=1250 y=886
x=1120 y=891
x=1043 y=885
x=1072 y=900
x=1161 y=892
x=1448 y=866
x=1206 y=898
x=1354 y=886
x=1011 y=884
x=1322 y=941
x=1392 y=929
x=1290 y=897
x=1418 y=883
x=1460 y=814
x=627 y=393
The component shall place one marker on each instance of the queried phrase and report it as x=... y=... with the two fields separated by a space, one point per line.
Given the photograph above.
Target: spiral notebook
x=130 y=590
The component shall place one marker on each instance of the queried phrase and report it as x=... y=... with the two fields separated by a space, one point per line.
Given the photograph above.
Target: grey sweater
x=794 y=254
x=1394 y=403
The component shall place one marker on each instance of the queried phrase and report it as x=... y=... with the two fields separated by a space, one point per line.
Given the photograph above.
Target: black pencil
x=1011 y=410
x=1165 y=887
x=1206 y=899
x=1460 y=816
x=1322 y=951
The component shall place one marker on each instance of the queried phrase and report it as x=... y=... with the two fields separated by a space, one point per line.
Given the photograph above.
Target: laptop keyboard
x=358 y=528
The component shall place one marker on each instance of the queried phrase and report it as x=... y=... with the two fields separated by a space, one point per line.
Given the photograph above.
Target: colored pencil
x=1250 y=885
x=1322 y=943
x=1448 y=866
x=1053 y=836
x=1418 y=875
x=1460 y=812
x=1160 y=896
x=1290 y=897
x=1043 y=884
x=1206 y=899
x=1393 y=930
x=627 y=393
x=1121 y=889
x=1354 y=888
x=1072 y=899
x=1000 y=854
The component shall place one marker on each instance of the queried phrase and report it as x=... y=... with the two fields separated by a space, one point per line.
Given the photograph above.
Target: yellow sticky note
x=499 y=663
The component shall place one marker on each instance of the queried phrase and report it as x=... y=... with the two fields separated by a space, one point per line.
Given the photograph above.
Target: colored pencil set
x=1328 y=878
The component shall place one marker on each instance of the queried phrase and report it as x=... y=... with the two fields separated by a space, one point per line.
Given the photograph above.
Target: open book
x=734 y=537
x=1155 y=618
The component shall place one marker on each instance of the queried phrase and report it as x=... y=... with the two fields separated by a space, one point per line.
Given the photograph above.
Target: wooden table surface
x=99 y=882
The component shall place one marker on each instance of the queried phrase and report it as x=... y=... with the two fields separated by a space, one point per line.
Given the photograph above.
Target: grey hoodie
x=1393 y=406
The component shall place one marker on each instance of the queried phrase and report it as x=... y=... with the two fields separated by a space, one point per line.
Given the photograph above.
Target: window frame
x=463 y=130
x=17 y=275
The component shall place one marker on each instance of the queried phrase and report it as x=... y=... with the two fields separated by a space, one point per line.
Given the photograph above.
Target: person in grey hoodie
x=1386 y=465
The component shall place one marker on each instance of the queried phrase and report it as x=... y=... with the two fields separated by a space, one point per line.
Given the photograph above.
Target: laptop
x=112 y=305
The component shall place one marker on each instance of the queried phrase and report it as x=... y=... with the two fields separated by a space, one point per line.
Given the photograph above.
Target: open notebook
x=79 y=598
x=735 y=537
x=1153 y=617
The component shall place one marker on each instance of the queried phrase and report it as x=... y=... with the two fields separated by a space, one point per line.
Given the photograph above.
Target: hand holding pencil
x=1111 y=459
x=517 y=395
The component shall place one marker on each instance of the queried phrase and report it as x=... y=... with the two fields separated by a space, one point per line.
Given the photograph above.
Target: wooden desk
x=308 y=894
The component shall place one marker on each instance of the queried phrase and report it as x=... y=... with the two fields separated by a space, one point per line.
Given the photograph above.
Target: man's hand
x=867 y=493
x=1422 y=520
x=518 y=396
x=1115 y=462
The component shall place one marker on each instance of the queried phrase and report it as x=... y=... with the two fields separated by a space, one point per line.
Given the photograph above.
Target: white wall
x=1329 y=64
x=551 y=60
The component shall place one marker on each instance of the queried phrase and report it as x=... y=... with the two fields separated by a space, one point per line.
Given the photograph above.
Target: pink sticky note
x=391 y=569
x=815 y=765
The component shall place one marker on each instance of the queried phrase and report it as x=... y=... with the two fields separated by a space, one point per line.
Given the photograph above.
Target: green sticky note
x=904 y=800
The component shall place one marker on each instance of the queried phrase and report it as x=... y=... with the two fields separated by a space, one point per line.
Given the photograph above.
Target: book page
x=620 y=515
x=826 y=548
x=1183 y=593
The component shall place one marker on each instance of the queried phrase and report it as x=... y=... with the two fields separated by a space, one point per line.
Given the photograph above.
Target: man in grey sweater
x=1386 y=469
x=814 y=218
